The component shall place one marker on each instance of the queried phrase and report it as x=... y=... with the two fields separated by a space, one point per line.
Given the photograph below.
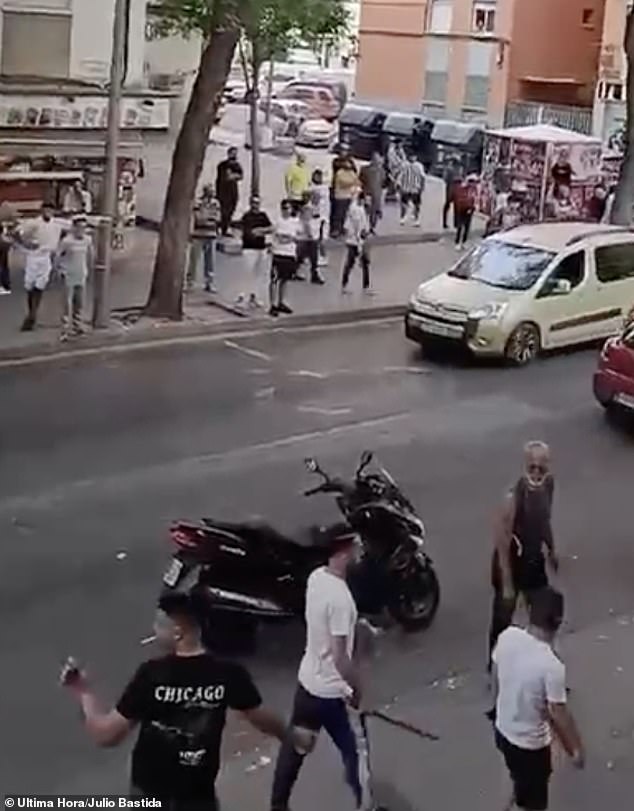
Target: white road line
x=181 y=467
x=252 y=353
x=326 y=412
x=412 y=370
x=307 y=373
x=148 y=640
x=263 y=394
x=185 y=340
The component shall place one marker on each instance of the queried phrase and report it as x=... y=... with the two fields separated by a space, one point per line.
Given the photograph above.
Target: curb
x=158 y=335
x=412 y=238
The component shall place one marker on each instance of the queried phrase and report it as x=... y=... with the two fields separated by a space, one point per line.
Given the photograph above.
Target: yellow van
x=531 y=288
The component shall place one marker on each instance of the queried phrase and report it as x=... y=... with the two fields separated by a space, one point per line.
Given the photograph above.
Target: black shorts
x=283 y=268
x=530 y=771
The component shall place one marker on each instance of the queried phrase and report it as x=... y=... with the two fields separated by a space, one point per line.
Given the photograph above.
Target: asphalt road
x=99 y=456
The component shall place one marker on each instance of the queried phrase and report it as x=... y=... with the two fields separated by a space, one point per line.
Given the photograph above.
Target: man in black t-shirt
x=561 y=172
x=256 y=231
x=179 y=702
x=228 y=174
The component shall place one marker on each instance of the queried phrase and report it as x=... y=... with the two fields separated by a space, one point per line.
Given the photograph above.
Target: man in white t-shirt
x=530 y=686
x=40 y=239
x=328 y=677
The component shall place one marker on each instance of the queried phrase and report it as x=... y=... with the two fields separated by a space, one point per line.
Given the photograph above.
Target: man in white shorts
x=40 y=238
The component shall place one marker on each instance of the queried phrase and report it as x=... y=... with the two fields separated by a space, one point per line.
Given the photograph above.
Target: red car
x=614 y=379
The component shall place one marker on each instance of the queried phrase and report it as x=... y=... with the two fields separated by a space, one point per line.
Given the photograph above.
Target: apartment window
x=440 y=16
x=478 y=75
x=587 y=18
x=35 y=44
x=437 y=71
x=484 y=17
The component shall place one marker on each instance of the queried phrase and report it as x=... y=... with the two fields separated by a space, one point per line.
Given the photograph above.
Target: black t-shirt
x=562 y=175
x=180 y=703
x=251 y=220
x=223 y=182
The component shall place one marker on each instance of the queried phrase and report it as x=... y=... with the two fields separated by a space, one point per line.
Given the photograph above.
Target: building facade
x=469 y=58
x=67 y=39
x=609 y=105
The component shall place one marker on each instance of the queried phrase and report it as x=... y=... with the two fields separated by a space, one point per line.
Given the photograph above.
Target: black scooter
x=251 y=572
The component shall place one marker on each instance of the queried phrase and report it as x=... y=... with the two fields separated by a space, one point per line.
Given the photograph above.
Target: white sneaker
x=322 y=262
x=368 y=291
x=403 y=220
x=417 y=223
x=4 y=291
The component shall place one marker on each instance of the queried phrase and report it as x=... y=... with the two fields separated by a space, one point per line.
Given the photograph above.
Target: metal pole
x=101 y=303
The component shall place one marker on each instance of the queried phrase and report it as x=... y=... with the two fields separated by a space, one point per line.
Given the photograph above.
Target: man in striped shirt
x=411 y=185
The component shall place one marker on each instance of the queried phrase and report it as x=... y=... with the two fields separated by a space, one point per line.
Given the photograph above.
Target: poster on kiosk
x=540 y=173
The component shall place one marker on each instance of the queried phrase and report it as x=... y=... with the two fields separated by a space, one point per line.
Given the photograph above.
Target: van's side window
x=615 y=262
x=572 y=269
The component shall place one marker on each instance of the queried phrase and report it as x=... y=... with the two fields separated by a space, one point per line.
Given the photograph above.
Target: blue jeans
x=209 y=261
x=311 y=712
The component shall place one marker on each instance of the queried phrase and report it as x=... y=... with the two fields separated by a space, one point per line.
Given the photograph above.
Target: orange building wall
x=391 y=50
x=550 y=41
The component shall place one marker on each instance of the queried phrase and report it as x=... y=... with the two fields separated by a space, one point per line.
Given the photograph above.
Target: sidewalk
x=158 y=155
x=396 y=272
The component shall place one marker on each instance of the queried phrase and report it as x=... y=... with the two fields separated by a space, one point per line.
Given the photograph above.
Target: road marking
x=263 y=394
x=307 y=373
x=187 y=340
x=252 y=353
x=64 y=492
x=258 y=371
x=148 y=640
x=412 y=370
x=325 y=412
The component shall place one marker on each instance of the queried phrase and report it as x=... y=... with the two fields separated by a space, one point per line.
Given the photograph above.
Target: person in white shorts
x=256 y=231
x=39 y=238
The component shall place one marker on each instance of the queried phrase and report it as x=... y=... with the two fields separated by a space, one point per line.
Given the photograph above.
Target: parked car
x=317 y=133
x=614 y=378
x=531 y=288
x=454 y=139
x=361 y=128
x=235 y=91
x=287 y=109
x=413 y=131
x=320 y=98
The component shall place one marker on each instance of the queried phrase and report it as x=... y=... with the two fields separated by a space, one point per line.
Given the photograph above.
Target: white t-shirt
x=530 y=677
x=45 y=235
x=285 y=227
x=330 y=611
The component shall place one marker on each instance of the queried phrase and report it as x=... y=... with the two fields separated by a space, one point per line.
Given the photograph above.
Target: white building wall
x=91 y=40
x=91 y=34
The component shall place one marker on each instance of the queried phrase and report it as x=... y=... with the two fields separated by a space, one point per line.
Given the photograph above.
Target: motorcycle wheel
x=415 y=608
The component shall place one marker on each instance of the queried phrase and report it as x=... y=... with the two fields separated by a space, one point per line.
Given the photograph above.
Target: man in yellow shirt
x=297 y=181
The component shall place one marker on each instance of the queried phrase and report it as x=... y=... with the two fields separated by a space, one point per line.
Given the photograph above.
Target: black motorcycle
x=252 y=572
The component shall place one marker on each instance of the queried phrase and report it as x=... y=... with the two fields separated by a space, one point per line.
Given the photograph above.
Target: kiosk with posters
x=540 y=172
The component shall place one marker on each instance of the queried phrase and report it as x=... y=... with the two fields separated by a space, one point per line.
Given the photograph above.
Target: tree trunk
x=166 y=293
x=255 y=130
x=624 y=199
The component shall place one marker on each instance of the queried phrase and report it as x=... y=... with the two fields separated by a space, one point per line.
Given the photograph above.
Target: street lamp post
x=101 y=303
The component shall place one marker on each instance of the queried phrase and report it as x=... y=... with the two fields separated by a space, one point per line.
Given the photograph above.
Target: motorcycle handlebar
x=331 y=486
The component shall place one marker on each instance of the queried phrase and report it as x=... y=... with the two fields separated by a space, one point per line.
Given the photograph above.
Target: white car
x=317 y=133
x=532 y=288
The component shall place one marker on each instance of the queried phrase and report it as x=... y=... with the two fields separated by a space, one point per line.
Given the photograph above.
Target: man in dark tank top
x=523 y=539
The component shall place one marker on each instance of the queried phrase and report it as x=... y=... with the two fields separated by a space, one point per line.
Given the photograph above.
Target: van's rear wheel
x=523 y=345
